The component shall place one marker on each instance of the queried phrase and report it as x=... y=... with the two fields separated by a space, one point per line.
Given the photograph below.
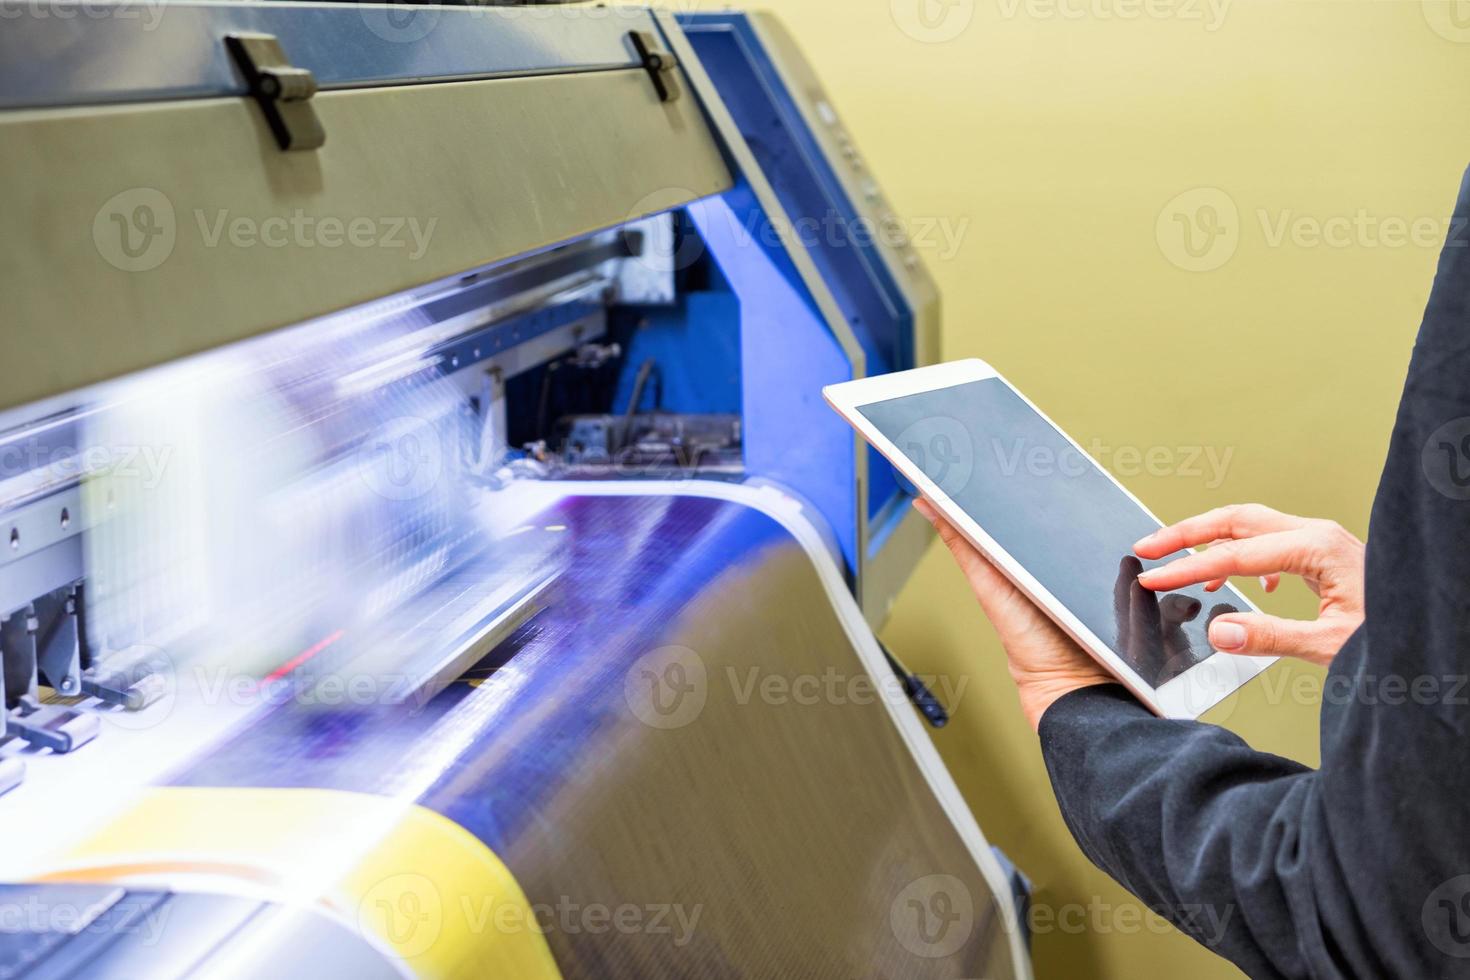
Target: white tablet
x=1058 y=524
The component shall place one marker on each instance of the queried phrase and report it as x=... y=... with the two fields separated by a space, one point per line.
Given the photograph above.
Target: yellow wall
x=1052 y=144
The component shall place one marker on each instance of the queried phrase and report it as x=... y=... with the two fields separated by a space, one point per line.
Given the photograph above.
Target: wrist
x=1039 y=691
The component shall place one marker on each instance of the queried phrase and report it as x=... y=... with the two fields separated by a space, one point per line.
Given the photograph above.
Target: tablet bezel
x=1188 y=695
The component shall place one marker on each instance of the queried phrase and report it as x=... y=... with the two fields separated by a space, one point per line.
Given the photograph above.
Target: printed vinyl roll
x=690 y=759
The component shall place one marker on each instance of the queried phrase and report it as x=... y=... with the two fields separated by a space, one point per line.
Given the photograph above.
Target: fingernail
x=1142 y=541
x=1265 y=583
x=1227 y=636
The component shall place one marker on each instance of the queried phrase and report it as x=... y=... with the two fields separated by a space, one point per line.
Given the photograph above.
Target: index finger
x=1278 y=551
x=1234 y=521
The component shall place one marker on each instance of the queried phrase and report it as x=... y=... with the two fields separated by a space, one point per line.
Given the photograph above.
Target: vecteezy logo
x=1207 y=678
x=667 y=687
x=1199 y=229
x=403 y=459
x=1446 y=917
x=147 y=681
x=942 y=448
x=134 y=230
x=398 y=21
x=932 y=21
x=664 y=245
x=1450 y=19
x=933 y=916
x=1446 y=459
x=406 y=910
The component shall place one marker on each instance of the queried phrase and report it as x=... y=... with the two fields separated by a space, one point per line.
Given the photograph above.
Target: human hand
x=1249 y=539
x=1045 y=662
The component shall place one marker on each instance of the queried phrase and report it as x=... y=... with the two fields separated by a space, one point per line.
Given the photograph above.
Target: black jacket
x=1362 y=867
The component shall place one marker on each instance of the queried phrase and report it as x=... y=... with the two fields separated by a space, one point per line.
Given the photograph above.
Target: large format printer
x=424 y=550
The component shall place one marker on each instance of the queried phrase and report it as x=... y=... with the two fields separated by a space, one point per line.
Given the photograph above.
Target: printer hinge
x=283 y=91
x=660 y=65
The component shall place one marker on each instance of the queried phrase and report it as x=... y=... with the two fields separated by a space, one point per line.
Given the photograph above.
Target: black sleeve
x=1361 y=868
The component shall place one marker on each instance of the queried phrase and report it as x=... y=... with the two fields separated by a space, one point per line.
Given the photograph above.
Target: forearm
x=1194 y=822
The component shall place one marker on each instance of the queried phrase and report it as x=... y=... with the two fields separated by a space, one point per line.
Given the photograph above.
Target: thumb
x=1260 y=635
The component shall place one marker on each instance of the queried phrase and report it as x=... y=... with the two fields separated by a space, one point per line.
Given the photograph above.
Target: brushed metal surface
x=140 y=234
x=103 y=51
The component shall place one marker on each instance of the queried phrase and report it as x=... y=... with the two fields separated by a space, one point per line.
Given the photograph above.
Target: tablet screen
x=1057 y=514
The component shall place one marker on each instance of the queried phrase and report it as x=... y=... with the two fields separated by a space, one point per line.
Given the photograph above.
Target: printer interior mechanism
x=424 y=548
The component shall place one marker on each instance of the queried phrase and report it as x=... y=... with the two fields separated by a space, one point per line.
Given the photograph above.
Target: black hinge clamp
x=283 y=91
x=660 y=65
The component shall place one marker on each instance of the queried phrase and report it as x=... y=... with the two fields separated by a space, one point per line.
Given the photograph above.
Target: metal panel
x=143 y=50
x=845 y=231
x=877 y=275
x=897 y=536
x=763 y=198
x=882 y=539
x=905 y=268
x=143 y=260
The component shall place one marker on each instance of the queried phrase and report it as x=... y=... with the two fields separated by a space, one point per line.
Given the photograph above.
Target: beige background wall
x=1050 y=138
